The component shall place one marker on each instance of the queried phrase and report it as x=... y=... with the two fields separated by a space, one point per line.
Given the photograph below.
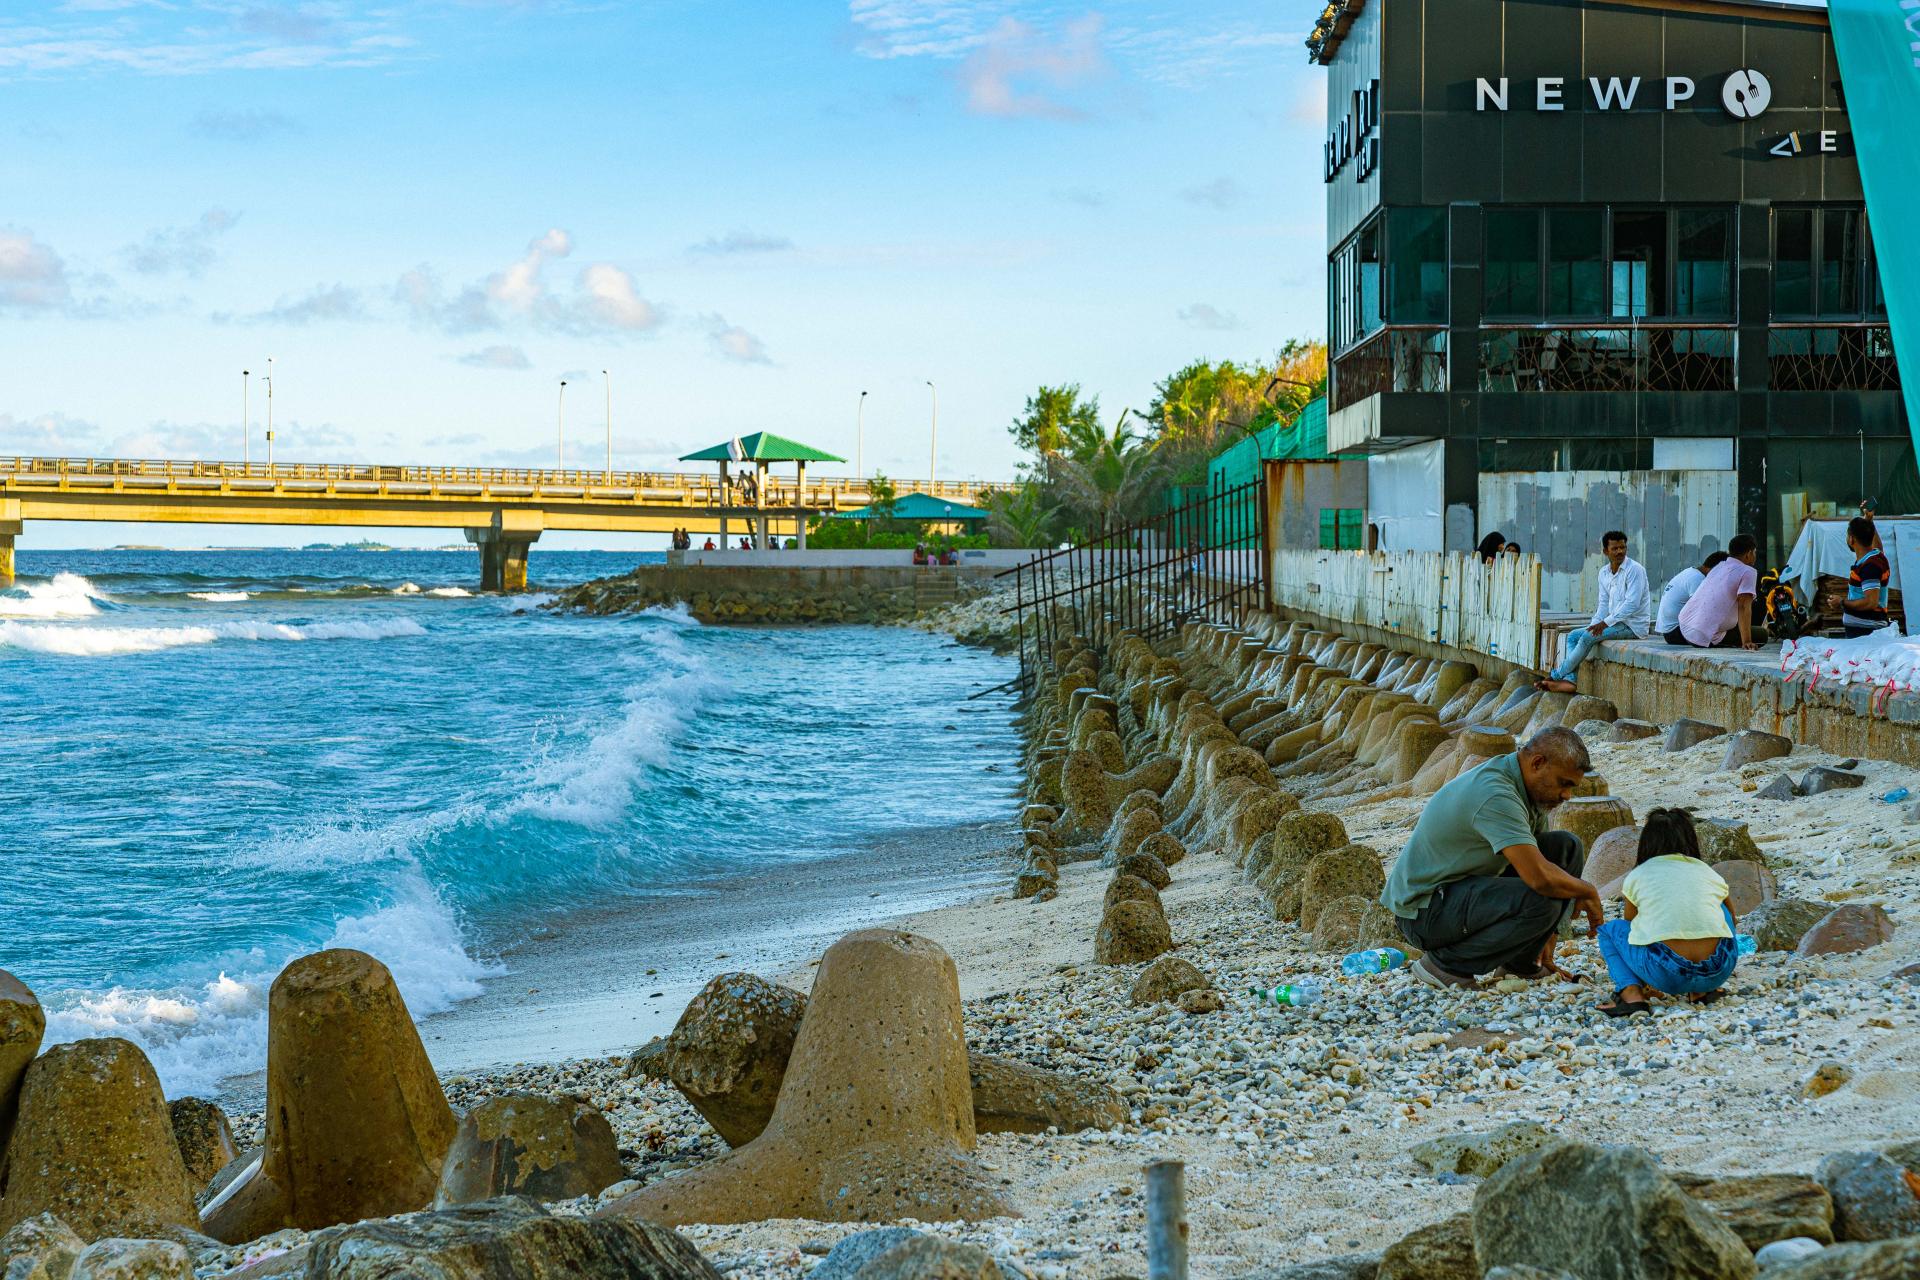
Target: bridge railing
x=830 y=492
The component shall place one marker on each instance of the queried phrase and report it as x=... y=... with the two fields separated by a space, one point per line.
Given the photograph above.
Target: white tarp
x=1404 y=492
x=1822 y=549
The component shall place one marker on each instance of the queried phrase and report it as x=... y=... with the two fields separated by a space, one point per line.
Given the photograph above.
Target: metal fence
x=1203 y=558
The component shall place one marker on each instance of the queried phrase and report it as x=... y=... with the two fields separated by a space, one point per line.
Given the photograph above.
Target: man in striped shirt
x=1865 y=611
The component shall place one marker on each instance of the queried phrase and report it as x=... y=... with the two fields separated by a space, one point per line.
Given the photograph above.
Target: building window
x=1417 y=266
x=1793 y=262
x=1824 y=265
x=1576 y=263
x=1841 y=260
x=1342 y=529
x=1513 y=263
x=1639 y=264
x=1703 y=264
x=1366 y=278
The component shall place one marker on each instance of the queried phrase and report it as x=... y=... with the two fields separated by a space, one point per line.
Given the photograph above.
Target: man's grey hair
x=1560 y=745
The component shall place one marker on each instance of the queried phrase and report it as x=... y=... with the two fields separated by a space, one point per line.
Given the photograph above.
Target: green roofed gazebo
x=918 y=506
x=761 y=448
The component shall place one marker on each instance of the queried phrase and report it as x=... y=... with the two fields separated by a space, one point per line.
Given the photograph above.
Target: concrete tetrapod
x=22 y=1023
x=357 y=1126
x=875 y=1117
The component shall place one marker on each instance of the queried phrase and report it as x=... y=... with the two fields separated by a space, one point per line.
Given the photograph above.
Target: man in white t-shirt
x=1625 y=611
x=1674 y=598
x=1723 y=604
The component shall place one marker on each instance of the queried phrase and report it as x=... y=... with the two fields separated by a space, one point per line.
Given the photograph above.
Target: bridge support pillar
x=504 y=547
x=10 y=526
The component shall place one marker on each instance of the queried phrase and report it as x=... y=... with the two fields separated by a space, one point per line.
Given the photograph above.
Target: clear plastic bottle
x=1290 y=995
x=1745 y=944
x=1377 y=960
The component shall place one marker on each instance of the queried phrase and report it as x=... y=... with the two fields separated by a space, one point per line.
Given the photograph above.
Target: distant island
x=362 y=545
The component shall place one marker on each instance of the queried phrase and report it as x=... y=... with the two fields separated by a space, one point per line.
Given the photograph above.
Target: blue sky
x=430 y=211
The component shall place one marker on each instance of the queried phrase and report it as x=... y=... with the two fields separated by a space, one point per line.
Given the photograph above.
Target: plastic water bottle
x=1745 y=944
x=1289 y=995
x=1896 y=795
x=1378 y=960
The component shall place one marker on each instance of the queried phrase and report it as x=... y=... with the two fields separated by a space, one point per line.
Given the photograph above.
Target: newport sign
x=1745 y=94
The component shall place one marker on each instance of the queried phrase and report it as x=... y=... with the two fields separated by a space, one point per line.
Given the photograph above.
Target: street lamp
x=244 y=375
x=560 y=430
x=269 y=415
x=608 y=379
x=860 y=441
x=933 y=445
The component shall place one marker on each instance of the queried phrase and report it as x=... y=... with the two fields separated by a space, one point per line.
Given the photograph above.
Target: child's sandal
x=1624 y=1008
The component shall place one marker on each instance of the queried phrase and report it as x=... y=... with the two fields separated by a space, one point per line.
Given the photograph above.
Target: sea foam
x=67 y=595
x=105 y=642
x=220 y=597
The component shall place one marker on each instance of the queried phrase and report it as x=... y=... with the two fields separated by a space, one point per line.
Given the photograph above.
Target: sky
x=430 y=212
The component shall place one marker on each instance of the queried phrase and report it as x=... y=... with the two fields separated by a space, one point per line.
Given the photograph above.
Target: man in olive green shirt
x=1482 y=885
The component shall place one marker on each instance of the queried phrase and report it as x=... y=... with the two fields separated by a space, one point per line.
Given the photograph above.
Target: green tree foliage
x=1055 y=419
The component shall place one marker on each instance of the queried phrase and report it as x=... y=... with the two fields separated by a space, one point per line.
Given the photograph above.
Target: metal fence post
x=1167 y=1220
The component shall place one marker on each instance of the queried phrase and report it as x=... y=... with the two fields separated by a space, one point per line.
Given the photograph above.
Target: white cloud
x=497 y=356
x=1204 y=315
x=604 y=299
x=249 y=124
x=198 y=37
x=609 y=299
x=519 y=287
x=734 y=343
x=187 y=250
x=1221 y=193
x=32 y=276
x=922 y=28
x=320 y=304
x=58 y=434
x=742 y=242
x=1019 y=71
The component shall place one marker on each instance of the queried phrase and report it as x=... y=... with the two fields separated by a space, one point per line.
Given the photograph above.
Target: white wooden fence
x=1444 y=597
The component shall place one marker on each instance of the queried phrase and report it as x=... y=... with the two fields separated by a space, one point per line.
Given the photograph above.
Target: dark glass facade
x=1560 y=230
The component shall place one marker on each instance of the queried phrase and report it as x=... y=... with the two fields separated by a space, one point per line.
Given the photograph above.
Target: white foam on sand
x=105 y=642
x=220 y=597
x=66 y=595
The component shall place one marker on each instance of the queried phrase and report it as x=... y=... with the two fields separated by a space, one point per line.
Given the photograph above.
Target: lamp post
x=560 y=430
x=933 y=444
x=608 y=379
x=860 y=441
x=269 y=415
x=244 y=375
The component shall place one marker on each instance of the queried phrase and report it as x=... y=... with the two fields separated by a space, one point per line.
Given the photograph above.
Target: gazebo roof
x=761 y=446
x=918 y=506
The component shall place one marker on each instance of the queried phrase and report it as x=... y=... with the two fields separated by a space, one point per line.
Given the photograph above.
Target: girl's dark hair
x=1668 y=831
x=1491 y=545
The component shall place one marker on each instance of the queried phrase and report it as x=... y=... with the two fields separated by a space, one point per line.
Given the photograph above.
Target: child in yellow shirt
x=1678 y=934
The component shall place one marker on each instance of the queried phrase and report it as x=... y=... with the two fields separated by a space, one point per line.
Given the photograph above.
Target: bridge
x=503 y=510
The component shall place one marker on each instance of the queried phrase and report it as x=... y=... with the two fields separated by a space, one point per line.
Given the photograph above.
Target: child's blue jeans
x=1660 y=966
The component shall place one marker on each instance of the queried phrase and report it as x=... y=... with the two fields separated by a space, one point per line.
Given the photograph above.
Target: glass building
x=1575 y=248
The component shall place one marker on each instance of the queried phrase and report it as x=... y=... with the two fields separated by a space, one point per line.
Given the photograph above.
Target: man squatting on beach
x=1482 y=885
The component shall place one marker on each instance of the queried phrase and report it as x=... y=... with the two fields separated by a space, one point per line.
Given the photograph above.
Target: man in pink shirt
x=1723 y=602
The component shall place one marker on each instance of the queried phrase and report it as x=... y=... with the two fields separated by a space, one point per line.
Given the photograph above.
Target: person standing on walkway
x=1724 y=602
x=1482 y=885
x=1625 y=611
x=1865 y=611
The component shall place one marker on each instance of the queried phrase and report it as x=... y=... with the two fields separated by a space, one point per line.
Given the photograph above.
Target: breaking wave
x=107 y=642
x=66 y=595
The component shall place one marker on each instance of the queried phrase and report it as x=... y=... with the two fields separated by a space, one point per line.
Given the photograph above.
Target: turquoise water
x=218 y=761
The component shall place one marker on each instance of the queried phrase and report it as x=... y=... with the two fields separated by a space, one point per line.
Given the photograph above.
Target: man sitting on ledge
x=1482 y=884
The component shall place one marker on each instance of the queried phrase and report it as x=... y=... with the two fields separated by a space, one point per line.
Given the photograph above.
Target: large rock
x=1336 y=928
x=1590 y=817
x=1683 y=735
x=357 y=1126
x=1128 y=832
x=1131 y=932
x=1611 y=857
x=1727 y=840
x=94 y=1145
x=1603 y=1213
x=851 y=1255
x=729 y=1051
x=1339 y=873
x=1852 y=927
x=115 y=1259
x=1752 y=745
x=1873 y=1198
x=927 y=1257
x=1476 y=1155
x=508 y=1239
x=1820 y=779
x=1129 y=889
x=1296 y=839
x=1633 y=730
x=206 y=1140
x=1585 y=709
x=1888 y=1260
x=875 y=1117
x=1379 y=927
x=1165 y=979
x=1781 y=924
x=1762 y=1208
x=1749 y=884
x=1145 y=866
x=1012 y=1097
x=22 y=1024
x=522 y=1144
x=1442 y=1251
x=41 y=1248
x=1165 y=846
x=1781 y=788
x=1351 y=1266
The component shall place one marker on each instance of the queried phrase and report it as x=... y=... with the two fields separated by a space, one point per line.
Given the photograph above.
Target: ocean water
x=211 y=763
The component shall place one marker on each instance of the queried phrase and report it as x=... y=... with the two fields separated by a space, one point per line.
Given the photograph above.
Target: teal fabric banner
x=1878 y=43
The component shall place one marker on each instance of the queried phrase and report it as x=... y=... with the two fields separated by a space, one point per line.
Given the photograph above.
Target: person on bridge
x=1482 y=885
x=709 y=546
x=1625 y=611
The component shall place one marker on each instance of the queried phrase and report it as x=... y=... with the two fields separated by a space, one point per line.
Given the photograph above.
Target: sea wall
x=781 y=594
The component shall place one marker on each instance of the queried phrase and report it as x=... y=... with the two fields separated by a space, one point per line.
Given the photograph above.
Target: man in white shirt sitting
x=1625 y=611
x=1674 y=598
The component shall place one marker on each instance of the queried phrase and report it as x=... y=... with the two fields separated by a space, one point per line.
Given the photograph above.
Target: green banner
x=1878 y=43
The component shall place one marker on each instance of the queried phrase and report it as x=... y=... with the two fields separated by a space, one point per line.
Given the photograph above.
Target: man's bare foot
x=1558 y=686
